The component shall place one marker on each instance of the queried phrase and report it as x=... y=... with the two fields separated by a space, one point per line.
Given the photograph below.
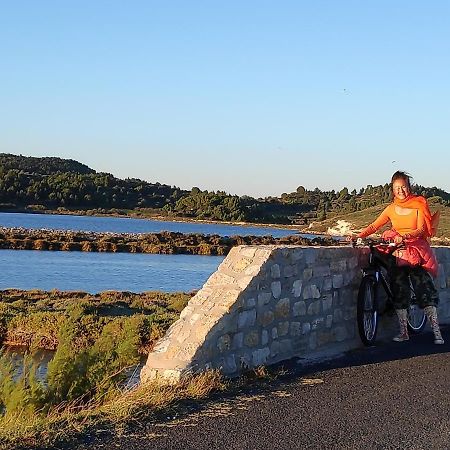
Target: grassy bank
x=35 y=318
x=97 y=340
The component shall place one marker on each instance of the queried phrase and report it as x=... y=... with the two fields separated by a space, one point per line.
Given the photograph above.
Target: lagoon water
x=130 y=225
x=96 y=272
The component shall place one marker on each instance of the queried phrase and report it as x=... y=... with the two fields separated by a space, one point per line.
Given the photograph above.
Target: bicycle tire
x=367 y=310
x=417 y=319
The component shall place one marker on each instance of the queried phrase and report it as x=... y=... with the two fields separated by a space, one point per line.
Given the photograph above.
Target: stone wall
x=266 y=304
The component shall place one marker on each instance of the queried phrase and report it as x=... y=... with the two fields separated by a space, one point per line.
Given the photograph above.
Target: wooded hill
x=55 y=183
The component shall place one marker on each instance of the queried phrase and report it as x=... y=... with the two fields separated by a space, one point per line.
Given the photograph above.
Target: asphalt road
x=395 y=396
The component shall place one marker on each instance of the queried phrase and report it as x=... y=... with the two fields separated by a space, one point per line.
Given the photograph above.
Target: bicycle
x=376 y=277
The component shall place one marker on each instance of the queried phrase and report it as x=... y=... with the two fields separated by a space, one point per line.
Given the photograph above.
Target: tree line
x=52 y=183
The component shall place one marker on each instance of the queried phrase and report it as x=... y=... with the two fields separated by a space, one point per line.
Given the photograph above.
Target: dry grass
x=136 y=407
x=133 y=406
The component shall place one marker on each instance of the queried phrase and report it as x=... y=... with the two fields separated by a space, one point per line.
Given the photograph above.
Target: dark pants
x=426 y=292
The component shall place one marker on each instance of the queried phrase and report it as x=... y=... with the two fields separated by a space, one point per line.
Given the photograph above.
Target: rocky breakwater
x=164 y=243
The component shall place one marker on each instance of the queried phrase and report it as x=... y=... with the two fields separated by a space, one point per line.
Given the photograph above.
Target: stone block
x=306 y=327
x=297 y=254
x=252 y=270
x=329 y=321
x=274 y=333
x=248 y=252
x=311 y=256
x=275 y=271
x=339 y=266
x=250 y=303
x=338 y=281
x=315 y=291
x=299 y=308
x=224 y=343
x=274 y=349
x=295 y=329
x=276 y=289
x=265 y=318
x=238 y=341
x=321 y=271
x=244 y=281
x=337 y=315
x=327 y=284
x=327 y=302
x=264 y=337
x=246 y=319
x=251 y=339
x=282 y=308
x=241 y=264
x=282 y=329
x=289 y=271
x=264 y=298
x=259 y=357
x=297 y=288
x=314 y=308
x=264 y=253
x=307 y=292
x=220 y=279
x=229 y=365
x=307 y=274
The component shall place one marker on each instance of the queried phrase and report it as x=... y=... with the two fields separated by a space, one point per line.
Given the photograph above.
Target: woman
x=413 y=225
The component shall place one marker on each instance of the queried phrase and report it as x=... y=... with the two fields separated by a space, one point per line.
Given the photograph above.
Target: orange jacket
x=416 y=226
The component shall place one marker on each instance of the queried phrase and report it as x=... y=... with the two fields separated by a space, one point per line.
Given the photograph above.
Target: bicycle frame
x=375 y=269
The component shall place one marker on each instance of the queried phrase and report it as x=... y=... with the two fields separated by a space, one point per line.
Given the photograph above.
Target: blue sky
x=250 y=97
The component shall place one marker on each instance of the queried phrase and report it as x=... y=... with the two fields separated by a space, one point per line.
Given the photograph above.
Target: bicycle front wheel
x=416 y=319
x=367 y=311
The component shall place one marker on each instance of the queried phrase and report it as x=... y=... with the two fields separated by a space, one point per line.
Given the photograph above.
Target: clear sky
x=251 y=97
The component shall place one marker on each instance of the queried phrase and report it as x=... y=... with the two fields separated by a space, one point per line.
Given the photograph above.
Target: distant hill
x=43 y=166
x=56 y=183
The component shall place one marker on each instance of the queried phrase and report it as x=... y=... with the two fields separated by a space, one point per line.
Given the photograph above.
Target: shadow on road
x=418 y=345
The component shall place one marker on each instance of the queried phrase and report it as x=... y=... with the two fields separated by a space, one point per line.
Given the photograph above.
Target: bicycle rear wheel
x=367 y=310
x=416 y=319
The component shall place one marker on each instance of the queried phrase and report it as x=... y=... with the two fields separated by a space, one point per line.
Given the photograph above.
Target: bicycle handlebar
x=360 y=242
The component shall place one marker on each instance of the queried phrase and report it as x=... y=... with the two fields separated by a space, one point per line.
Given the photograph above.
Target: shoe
x=402 y=338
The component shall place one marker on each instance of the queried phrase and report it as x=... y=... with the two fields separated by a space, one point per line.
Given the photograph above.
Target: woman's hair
x=399 y=175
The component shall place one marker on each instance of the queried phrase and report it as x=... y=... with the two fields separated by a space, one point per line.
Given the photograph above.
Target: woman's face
x=400 y=188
